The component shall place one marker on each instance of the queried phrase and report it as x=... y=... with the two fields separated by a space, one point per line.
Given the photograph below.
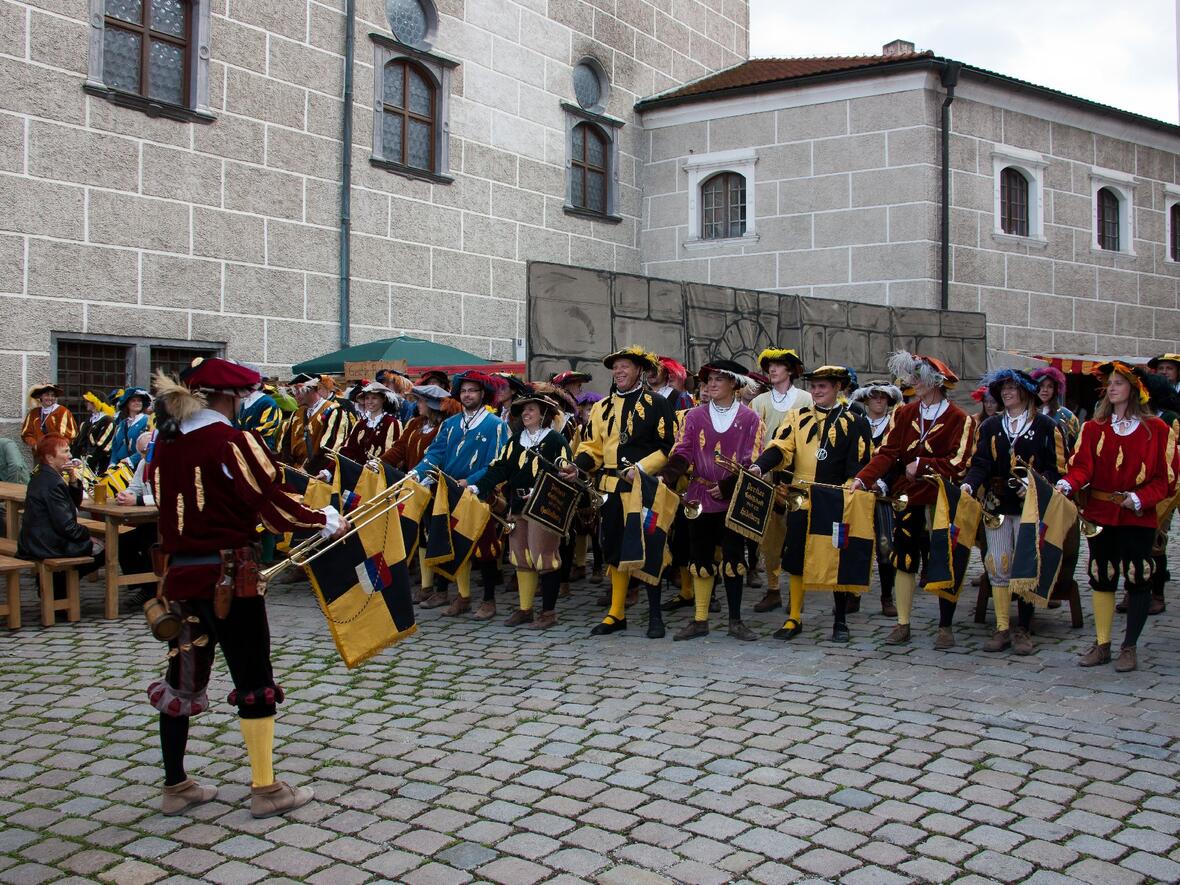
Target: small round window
x=590 y=85
x=409 y=20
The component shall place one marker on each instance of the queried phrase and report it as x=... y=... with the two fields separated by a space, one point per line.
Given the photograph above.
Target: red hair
x=48 y=444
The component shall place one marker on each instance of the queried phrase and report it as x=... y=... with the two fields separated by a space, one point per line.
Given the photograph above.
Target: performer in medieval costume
x=318 y=427
x=214 y=484
x=533 y=549
x=1019 y=433
x=463 y=448
x=133 y=420
x=1051 y=393
x=92 y=445
x=724 y=427
x=1168 y=365
x=48 y=417
x=782 y=367
x=1127 y=458
x=260 y=412
x=880 y=399
x=378 y=427
x=825 y=442
x=572 y=382
x=632 y=429
x=930 y=436
x=669 y=380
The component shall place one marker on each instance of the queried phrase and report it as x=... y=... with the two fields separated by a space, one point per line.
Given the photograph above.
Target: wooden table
x=12 y=494
x=117 y=516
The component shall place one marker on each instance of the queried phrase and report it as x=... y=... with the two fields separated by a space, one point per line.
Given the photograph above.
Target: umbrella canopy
x=415 y=351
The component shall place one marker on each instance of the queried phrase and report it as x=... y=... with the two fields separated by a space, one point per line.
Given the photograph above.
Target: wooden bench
x=72 y=604
x=1068 y=593
x=98 y=528
x=11 y=568
x=7 y=547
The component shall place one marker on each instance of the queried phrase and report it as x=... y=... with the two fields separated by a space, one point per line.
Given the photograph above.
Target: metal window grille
x=172 y=360
x=95 y=366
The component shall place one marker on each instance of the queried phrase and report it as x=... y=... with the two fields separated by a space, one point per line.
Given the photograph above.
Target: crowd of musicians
x=210 y=447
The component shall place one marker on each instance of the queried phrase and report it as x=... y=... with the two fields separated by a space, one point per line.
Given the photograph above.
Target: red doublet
x=1142 y=462
x=365 y=442
x=214 y=486
x=945 y=451
x=60 y=422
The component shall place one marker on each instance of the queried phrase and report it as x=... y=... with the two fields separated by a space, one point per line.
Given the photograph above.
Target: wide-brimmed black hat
x=642 y=358
x=739 y=373
x=838 y=374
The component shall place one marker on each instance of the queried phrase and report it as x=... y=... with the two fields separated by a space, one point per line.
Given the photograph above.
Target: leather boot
x=1098 y=654
x=518 y=617
x=899 y=635
x=278 y=798
x=1127 y=660
x=768 y=603
x=435 y=600
x=543 y=621
x=486 y=611
x=946 y=638
x=692 y=630
x=999 y=641
x=187 y=794
x=1022 y=643
x=461 y=606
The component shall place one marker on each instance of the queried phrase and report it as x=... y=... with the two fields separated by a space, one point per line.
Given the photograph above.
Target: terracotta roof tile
x=771 y=70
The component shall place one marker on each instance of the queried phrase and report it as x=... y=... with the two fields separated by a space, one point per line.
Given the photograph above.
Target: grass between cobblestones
x=479 y=753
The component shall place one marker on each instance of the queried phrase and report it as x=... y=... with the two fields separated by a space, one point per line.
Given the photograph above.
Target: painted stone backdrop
x=577 y=315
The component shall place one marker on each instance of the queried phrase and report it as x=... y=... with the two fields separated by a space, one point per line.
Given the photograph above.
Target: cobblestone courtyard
x=479 y=753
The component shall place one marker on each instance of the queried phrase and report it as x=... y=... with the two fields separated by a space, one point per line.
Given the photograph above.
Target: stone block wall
x=578 y=315
x=845 y=195
x=115 y=222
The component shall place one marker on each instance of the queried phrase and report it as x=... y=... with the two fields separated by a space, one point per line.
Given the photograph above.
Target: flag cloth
x=115 y=480
x=314 y=493
x=649 y=507
x=952 y=535
x=354 y=484
x=1047 y=519
x=841 y=541
x=363 y=586
x=456 y=524
x=412 y=511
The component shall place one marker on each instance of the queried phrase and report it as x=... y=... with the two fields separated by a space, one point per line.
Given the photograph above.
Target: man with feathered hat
x=669 y=379
x=214 y=484
x=930 y=436
x=632 y=429
x=318 y=426
x=464 y=447
x=825 y=442
x=782 y=367
x=92 y=445
x=1168 y=365
x=48 y=417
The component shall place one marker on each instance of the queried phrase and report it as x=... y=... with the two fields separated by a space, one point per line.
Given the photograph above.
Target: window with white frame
x=411 y=100
x=1019 y=193
x=151 y=55
x=1112 y=204
x=721 y=197
x=1172 y=222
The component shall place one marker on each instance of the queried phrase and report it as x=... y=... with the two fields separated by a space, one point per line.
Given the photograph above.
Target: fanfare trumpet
x=1021 y=476
x=581 y=478
x=310 y=549
x=794 y=494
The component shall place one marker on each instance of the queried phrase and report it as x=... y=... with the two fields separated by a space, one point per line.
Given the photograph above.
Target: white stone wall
x=1062 y=295
x=846 y=193
x=112 y=222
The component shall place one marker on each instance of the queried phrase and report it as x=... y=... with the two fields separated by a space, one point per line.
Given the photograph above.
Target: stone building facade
x=843 y=194
x=206 y=218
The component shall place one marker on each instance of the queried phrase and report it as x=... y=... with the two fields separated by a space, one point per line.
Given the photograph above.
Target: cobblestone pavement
x=480 y=753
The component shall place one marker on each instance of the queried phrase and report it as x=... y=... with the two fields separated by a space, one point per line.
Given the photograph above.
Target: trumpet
x=1022 y=472
x=795 y=494
x=582 y=479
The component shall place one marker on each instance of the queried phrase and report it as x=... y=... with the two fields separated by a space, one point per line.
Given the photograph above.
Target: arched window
x=1108 y=219
x=723 y=206
x=1174 y=240
x=589 y=169
x=1014 y=202
x=408 y=115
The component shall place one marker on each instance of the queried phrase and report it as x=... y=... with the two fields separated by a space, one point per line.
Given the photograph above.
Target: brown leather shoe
x=179 y=798
x=461 y=606
x=563 y=590
x=421 y=595
x=595 y=576
x=1122 y=603
x=578 y=573
x=692 y=630
x=486 y=611
x=888 y=609
x=278 y=798
x=518 y=617
x=738 y=630
x=1098 y=654
x=1127 y=660
x=899 y=636
x=1022 y=643
x=946 y=638
x=754 y=578
x=999 y=641
x=768 y=603
x=435 y=600
x=543 y=621
x=1157 y=606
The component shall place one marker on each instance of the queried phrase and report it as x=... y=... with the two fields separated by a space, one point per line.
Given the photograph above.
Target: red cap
x=219 y=375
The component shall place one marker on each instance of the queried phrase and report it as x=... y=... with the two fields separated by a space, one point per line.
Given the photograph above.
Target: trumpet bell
x=1088 y=529
x=992 y=520
x=692 y=509
x=900 y=503
x=796 y=501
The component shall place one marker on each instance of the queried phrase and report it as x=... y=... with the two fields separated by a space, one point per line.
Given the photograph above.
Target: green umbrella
x=415 y=351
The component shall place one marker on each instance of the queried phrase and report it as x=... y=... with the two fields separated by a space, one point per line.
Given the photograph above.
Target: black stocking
x=946 y=612
x=1138 y=601
x=550 y=587
x=173 y=742
x=733 y=596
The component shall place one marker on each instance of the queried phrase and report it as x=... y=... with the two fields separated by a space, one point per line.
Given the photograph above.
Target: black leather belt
x=195 y=559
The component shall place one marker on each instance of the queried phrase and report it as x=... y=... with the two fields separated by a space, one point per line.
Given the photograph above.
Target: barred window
x=172 y=360
x=1014 y=202
x=723 y=206
x=1108 y=220
x=589 y=168
x=91 y=365
x=408 y=115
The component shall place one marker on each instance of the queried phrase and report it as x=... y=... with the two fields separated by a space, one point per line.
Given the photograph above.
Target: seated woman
x=50 y=527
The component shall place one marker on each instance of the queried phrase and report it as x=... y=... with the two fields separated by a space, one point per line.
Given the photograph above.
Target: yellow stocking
x=580 y=550
x=463 y=580
x=903 y=595
x=687 y=589
x=427 y=571
x=526 y=582
x=702 y=591
x=1103 y=614
x=795 y=582
x=1002 y=597
x=619 y=582
x=259 y=735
